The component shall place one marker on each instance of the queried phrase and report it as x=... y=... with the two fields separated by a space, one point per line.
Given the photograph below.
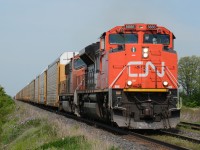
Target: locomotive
x=128 y=77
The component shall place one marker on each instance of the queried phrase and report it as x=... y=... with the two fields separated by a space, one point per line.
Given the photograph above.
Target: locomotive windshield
x=123 y=38
x=156 y=38
x=78 y=64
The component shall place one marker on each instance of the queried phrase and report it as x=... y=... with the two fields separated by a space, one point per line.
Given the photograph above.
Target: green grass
x=190 y=114
x=27 y=135
x=38 y=135
x=73 y=143
x=188 y=129
x=27 y=131
x=16 y=130
x=7 y=106
x=23 y=128
x=114 y=148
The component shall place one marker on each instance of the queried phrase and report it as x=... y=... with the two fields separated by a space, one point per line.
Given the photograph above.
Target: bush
x=6 y=107
x=191 y=100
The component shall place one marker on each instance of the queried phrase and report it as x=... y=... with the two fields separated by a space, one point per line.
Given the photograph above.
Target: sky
x=33 y=33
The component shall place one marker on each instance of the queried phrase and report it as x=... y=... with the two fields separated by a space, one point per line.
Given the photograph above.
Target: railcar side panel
x=36 y=99
x=42 y=88
x=32 y=90
x=52 y=84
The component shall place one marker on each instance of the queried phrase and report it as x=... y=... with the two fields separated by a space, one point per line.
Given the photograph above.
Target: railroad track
x=124 y=133
x=180 y=136
x=189 y=125
x=164 y=144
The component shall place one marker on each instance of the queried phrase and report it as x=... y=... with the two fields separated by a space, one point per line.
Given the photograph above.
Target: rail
x=180 y=136
x=193 y=126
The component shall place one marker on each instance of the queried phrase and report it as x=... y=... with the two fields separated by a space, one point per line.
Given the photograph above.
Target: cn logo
x=148 y=64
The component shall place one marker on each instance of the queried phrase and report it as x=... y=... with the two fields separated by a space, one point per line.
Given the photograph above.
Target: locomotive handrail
x=110 y=87
x=174 y=82
x=172 y=79
x=179 y=104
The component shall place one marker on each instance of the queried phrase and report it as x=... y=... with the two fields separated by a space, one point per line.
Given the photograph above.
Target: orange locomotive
x=131 y=78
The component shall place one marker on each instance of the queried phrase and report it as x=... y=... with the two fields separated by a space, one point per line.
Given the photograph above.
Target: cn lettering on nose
x=147 y=66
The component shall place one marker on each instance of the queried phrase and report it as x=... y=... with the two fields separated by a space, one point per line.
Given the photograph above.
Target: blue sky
x=33 y=33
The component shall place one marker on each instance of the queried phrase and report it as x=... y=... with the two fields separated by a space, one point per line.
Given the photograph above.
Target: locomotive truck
x=128 y=77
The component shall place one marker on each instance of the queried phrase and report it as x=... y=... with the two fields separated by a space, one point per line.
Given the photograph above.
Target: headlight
x=145 y=52
x=145 y=55
x=129 y=83
x=145 y=49
x=165 y=83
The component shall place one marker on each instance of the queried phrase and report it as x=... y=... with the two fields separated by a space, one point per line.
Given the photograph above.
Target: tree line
x=189 y=80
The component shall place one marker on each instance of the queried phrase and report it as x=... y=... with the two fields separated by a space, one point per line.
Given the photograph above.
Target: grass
x=114 y=148
x=190 y=114
x=73 y=143
x=25 y=127
x=188 y=129
x=26 y=135
x=7 y=106
x=33 y=129
x=36 y=134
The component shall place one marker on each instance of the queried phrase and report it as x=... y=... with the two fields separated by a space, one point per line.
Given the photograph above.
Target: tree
x=189 y=74
x=189 y=77
x=2 y=92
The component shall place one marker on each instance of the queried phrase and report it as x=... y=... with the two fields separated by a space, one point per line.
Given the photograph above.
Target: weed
x=17 y=129
x=75 y=143
x=114 y=148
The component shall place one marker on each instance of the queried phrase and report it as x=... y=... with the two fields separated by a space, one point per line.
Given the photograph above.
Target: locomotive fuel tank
x=90 y=106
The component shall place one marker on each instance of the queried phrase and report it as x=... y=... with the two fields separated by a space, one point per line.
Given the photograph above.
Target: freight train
x=128 y=77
